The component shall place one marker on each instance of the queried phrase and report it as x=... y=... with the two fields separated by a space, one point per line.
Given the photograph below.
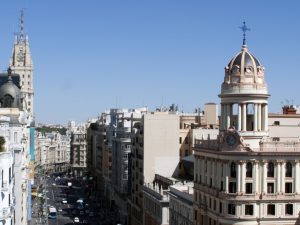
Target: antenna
x=244 y=28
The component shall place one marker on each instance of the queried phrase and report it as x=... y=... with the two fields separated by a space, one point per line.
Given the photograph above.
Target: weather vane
x=244 y=28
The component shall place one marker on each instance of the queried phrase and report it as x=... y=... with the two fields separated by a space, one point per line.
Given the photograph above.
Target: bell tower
x=244 y=97
x=21 y=63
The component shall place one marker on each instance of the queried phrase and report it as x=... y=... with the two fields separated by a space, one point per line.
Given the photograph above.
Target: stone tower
x=21 y=63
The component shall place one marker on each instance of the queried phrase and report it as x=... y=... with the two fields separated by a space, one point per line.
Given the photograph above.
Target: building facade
x=78 y=147
x=245 y=176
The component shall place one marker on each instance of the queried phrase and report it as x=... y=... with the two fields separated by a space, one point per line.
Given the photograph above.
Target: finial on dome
x=9 y=74
x=244 y=28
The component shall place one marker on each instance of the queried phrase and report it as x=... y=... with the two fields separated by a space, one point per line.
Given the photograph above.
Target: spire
x=21 y=35
x=244 y=28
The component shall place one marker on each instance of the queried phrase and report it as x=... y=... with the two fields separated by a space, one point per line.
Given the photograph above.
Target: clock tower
x=244 y=99
x=21 y=64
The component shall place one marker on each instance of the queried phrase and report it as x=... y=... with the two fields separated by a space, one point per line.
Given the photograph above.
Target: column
x=296 y=177
x=266 y=117
x=238 y=177
x=240 y=117
x=213 y=173
x=282 y=177
x=222 y=117
x=228 y=111
x=225 y=116
x=255 y=177
x=243 y=173
x=244 y=118
x=255 y=117
x=259 y=117
x=278 y=175
x=264 y=177
x=203 y=179
x=208 y=174
x=226 y=175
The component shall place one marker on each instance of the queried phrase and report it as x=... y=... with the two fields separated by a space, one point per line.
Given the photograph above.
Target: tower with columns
x=244 y=176
x=244 y=98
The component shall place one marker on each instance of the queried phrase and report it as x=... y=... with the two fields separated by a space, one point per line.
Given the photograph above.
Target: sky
x=93 y=55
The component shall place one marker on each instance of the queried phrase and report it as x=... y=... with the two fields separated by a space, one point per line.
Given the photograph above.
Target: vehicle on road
x=64 y=201
x=52 y=213
x=91 y=214
x=76 y=220
x=54 y=184
x=81 y=213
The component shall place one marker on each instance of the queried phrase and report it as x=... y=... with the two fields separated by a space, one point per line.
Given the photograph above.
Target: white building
x=181 y=203
x=246 y=177
x=78 y=150
x=15 y=207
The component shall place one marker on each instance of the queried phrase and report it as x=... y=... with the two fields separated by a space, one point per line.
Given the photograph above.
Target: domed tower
x=9 y=94
x=244 y=98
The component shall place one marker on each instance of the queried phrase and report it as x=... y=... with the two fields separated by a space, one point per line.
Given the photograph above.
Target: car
x=91 y=214
x=81 y=213
x=87 y=211
x=64 y=201
x=59 y=210
x=80 y=207
x=54 y=184
x=74 y=212
x=76 y=220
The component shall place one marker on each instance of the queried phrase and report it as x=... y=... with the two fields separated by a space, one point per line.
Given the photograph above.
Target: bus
x=52 y=213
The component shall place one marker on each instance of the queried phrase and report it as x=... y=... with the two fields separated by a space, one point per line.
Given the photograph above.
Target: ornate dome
x=9 y=94
x=245 y=73
x=244 y=64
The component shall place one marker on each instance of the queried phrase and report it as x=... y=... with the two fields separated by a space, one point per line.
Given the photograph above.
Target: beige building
x=155 y=139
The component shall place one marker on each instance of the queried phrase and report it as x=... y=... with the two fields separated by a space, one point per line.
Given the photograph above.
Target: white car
x=54 y=184
x=64 y=201
x=76 y=220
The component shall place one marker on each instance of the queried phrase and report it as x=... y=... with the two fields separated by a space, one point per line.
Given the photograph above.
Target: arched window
x=270 y=169
x=288 y=169
x=7 y=101
x=249 y=169
x=233 y=169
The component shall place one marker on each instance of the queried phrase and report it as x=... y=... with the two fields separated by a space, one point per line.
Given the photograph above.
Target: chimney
x=288 y=110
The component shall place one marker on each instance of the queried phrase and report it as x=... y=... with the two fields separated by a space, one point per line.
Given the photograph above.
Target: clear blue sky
x=94 y=55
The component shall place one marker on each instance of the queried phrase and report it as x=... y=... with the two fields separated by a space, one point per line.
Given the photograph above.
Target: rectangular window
x=232 y=187
x=248 y=188
x=276 y=139
x=180 y=140
x=249 y=210
x=271 y=209
x=186 y=152
x=231 y=209
x=222 y=186
x=215 y=204
x=270 y=188
x=289 y=209
x=276 y=123
x=15 y=137
x=288 y=187
x=220 y=207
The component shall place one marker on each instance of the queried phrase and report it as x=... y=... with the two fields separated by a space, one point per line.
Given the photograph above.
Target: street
x=54 y=190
